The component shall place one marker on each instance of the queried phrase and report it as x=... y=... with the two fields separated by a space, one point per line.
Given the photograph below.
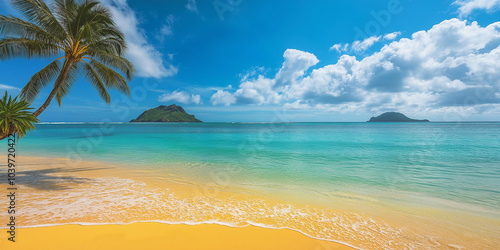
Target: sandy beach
x=63 y=204
x=283 y=125
x=40 y=177
x=163 y=236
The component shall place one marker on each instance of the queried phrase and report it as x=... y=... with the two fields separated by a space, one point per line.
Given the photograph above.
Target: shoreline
x=99 y=194
x=194 y=224
x=214 y=223
x=109 y=169
x=153 y=235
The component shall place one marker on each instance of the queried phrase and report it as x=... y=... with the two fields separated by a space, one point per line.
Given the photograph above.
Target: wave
x=70 y=199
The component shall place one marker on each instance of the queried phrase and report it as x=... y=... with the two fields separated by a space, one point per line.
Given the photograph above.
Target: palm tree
x=15 y=115
x=79 y=35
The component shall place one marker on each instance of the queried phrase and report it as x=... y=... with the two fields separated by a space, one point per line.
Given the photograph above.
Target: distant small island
x=162 y=113
x=394 y=117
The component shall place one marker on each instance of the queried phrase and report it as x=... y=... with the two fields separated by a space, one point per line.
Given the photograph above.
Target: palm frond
x=97 y=82
x=15 y=113
x=26 y=48
x=82 y=19
x=13 y=26
x=40 y=14
x=116 y=62
x=68 y=82
x=111 y=78
x=40 y=80
x=82 y=32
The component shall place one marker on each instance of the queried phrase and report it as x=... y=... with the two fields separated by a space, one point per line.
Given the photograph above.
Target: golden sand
x=163 y=236
x=57 y=191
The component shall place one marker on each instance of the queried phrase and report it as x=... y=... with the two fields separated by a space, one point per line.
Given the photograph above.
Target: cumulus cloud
x=222 y=97
x=147 y=60
x=180 y=96
x=262 y=90
x=191 y=5
x=452 y=65
x=392 y=36
x=468 y=6
x=295 y=65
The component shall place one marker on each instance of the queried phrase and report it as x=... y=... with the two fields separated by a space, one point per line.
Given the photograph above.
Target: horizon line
x=118 y=122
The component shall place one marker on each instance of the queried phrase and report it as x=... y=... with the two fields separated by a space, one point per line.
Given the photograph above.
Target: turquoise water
x=453 y=163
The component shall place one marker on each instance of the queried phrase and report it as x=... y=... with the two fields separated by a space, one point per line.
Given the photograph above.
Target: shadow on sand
x=52 y=178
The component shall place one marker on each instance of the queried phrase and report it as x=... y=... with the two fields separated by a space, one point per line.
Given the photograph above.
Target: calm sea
x=448 y=165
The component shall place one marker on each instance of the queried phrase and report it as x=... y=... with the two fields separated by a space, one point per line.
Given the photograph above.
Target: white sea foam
x=112 y=200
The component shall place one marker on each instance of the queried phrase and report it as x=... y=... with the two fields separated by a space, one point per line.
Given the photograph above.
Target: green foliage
x=394 y=117
x=15 y=113
x=172 y=113
x=80 y=33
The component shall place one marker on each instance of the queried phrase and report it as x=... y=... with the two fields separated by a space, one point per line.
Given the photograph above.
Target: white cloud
x=365 y=44
x=8 y=87
x=257 y=91
x=222 y=97
x=438 y=70
x=262 y=90
x=340 y=47
x=196 y=99
x=468 y=6
x=191 y=5
x=180 y=96
x=166 y=29
x=251 y=73
x=147 y=60
x=295 y=65
x=217 y=88
x=360 y=46
x=392 y=36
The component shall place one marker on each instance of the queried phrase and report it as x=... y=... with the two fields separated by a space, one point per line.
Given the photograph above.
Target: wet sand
x=97 y=205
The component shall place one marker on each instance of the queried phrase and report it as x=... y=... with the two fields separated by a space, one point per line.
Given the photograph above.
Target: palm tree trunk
x=60 y=80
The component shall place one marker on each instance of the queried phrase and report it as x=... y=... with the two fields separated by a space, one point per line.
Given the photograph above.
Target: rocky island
x=162 y=113
x=394 y=117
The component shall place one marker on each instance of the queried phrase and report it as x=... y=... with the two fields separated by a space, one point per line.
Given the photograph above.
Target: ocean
x=379 y=170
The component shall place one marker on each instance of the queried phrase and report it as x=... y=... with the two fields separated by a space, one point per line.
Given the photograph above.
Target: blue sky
x=270 y=61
